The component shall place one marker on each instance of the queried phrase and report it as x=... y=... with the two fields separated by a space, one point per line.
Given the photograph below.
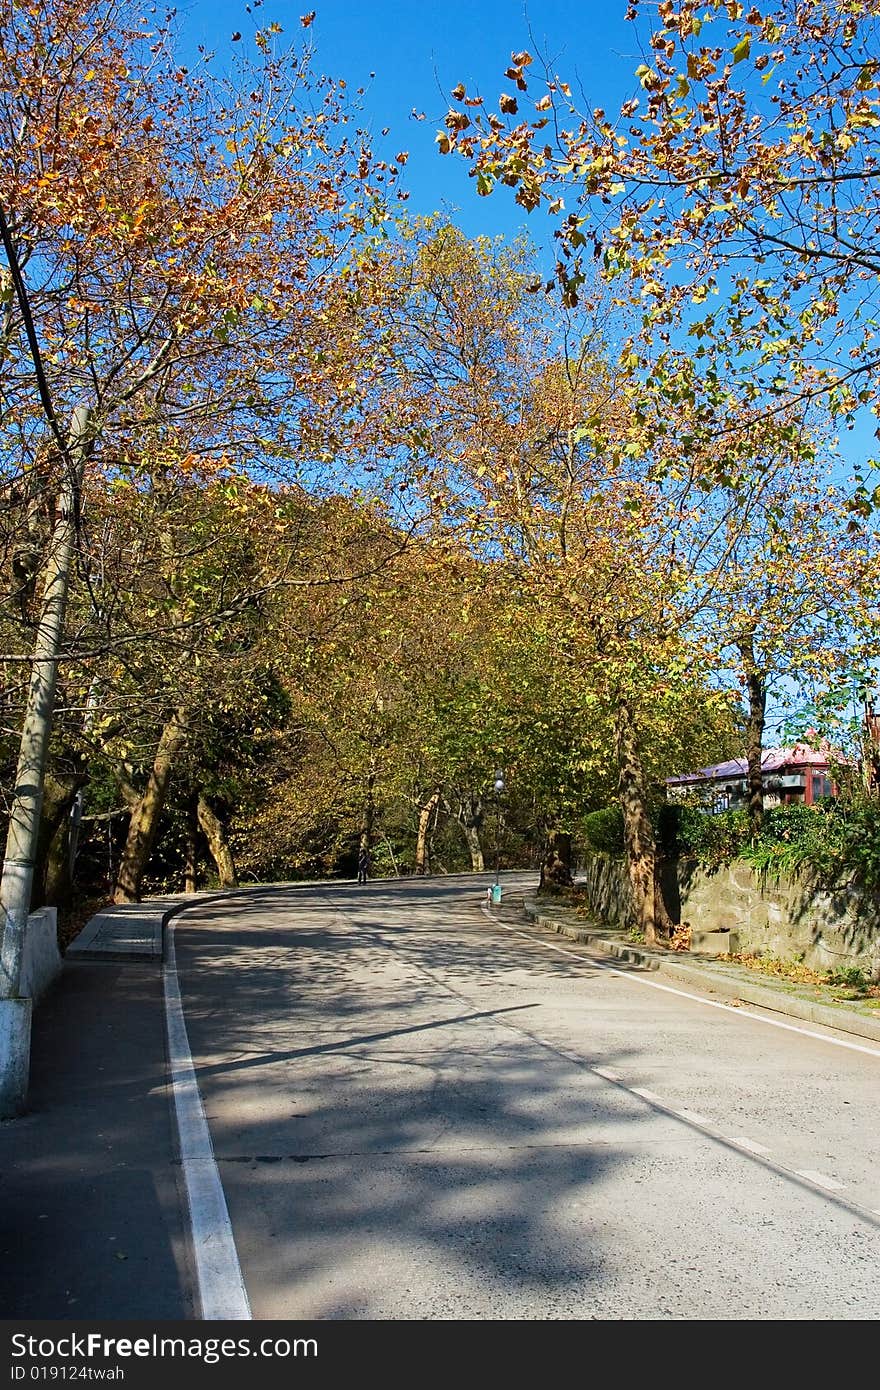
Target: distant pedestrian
x=363 y=864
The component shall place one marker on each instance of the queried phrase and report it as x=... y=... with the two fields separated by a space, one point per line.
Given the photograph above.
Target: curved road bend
x=419 y=1111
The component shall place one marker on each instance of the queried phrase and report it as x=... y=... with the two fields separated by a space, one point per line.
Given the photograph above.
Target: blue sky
x=409 y=55
x=418 y=52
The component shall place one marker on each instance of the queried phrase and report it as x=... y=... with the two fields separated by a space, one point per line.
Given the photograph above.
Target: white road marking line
x=749 y=1144
x=694 y=1118
x=646 y=1094
x=685 y=994
x=221 y=1290
x=555 y=1047
x=742 y=1142
x=820 y=1179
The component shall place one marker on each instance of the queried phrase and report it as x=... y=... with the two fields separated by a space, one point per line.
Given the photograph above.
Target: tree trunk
x=369 y=813
x=24 y=812
x=556 y=870
x=469 y=815
x=426 y=810
x=145 y=816
x=191 y=868
x=472 y=836
x=52 y=882
x=76 y=813
x=218 y=844
x=638 y=834
x=471 y=824
x=756 y=687
x=871 y=746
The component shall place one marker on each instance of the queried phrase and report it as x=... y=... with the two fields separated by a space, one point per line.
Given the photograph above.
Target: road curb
x=703 y=976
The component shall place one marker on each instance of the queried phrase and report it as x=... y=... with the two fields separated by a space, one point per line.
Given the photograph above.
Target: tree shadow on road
x=388 y=1150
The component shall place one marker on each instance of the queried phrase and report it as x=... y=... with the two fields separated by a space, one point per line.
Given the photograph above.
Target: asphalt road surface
x=423 y=1111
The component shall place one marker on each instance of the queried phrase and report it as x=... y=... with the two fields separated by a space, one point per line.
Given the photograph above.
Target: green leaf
x=742 y=49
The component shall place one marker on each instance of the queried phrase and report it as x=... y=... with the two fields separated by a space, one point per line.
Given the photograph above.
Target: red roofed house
x=798 y=774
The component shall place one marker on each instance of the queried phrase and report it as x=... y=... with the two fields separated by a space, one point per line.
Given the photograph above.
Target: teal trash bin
x=496 y=893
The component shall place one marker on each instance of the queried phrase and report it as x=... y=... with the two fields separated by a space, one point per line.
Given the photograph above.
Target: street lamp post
x=499 y=790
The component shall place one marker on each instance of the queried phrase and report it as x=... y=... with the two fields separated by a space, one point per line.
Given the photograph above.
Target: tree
x=26 y=802
x=175 y=639
x=534 y=461
x=785 y=607
x=733 y=202
x=186 y=243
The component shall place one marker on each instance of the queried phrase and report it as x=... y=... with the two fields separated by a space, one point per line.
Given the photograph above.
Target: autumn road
x=419 y=1110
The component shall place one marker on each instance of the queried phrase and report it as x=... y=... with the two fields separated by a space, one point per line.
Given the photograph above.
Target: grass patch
x=847 y=983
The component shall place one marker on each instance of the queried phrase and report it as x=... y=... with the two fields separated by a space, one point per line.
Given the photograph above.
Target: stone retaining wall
x=789 y=918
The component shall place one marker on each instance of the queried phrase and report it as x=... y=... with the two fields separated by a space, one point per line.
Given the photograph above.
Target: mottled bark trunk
x=472 y=837
x=52 y=882
x=638 y=834
x=26 y=794
x=368 y=814
x=145 y=815
x=426 y=810
x=756 y=689
x=871 y=744
x=468 y=813
x=218 y=844
x=191 y=868
x=472 y=824
x=556 y=865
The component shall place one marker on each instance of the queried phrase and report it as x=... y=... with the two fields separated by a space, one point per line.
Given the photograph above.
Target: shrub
x=681 y=830
x=604 y=830
x=861 y=842
x=686 y=832
x=797 y=837
x=850 y=977
x=788 y=840
x=833 y=840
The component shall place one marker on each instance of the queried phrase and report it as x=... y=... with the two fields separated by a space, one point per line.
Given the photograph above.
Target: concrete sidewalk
x=92 y=1222
x=93 y=1217
x=130 y=931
